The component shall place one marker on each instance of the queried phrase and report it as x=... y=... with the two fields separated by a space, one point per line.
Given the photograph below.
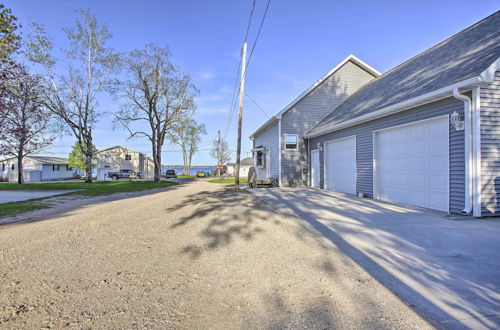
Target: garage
x=340 y=165
x=412 y=164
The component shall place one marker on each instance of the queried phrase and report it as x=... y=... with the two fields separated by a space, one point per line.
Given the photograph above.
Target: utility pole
x=240 y=116
x=218 y=154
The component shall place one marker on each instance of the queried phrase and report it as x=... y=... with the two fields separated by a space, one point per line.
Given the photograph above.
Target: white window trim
x=296 y=136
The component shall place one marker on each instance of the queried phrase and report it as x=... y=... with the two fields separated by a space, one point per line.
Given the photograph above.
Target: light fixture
x=320 y=146
x=456 y=121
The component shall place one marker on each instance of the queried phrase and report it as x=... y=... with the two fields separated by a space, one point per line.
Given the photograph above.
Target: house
x=245 y=165
x=37 y=169
x=426 y=133
x=279 y=150
x=120 y=158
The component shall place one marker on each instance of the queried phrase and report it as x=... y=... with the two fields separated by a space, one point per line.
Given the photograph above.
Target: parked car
x=125 y=174
x=170 y=174
x=200 y=174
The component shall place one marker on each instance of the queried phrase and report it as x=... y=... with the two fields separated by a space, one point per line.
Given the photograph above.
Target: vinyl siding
x=490 y=148
x=310 y=110
x=364 y=147
x=269 y=139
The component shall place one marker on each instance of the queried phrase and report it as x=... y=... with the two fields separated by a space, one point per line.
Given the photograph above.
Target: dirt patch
x=196 y=255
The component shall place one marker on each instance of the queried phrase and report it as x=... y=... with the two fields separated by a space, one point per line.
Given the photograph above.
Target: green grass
x=20 y=207
x=227 y=181
x=99 y=188
x=186 y=176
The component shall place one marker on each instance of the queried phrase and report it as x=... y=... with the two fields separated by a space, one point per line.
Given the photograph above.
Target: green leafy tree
x=77 y=158
x=9 y=39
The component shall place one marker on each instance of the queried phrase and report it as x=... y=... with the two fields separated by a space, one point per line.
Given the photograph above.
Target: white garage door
x=341 y=165
x=411 y=164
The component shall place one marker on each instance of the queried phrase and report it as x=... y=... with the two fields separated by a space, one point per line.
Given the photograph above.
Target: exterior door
x=315 y=168
x=412 y=164
x=340 y=165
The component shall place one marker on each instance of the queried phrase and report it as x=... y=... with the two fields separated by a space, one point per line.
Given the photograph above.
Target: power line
x=233 y=104
x=258 y=106
x=236 y=88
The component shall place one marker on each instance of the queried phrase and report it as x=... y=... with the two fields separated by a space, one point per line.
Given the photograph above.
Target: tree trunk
x=157 y=161
x=88 y=168
x=20 y=177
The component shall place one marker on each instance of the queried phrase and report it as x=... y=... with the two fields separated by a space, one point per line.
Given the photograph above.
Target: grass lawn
x=20 y=207
x=227 y=181
x=99 y=188
x=186 y=176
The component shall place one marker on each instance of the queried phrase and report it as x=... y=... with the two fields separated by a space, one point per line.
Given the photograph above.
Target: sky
x=299 y=43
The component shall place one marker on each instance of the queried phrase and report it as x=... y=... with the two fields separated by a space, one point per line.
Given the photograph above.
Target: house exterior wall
x=49 y=174
x=364 y=147
x=310 y=110
x=31 y=165
x=269 y=140
x=114 y=160
x=490 y=148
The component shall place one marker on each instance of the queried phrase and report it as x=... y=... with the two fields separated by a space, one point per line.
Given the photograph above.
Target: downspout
x=279 y=152
x=476 y=151
x=468 y=149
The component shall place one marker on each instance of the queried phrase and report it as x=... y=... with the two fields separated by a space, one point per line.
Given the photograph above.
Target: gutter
x=468 y=150
x=476 y=152
x=398 y=107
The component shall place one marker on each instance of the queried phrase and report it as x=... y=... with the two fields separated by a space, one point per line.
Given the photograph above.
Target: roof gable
x=351 y=58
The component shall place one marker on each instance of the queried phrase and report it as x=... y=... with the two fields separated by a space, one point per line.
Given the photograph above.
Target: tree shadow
x=225 y=223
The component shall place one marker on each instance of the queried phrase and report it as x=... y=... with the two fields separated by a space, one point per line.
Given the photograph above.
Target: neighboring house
x=120 y=158
x=405 y=136
x=37 y=169
x=245 y=165
x=279 y=150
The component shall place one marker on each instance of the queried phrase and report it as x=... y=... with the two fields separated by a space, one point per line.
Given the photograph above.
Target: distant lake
x=194 y=169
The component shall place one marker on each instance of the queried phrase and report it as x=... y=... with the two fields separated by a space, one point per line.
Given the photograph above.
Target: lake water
x=194 y=169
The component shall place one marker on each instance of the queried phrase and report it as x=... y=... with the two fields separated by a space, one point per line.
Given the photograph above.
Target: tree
x=220 y=151
x=9 y=43
x=9 y=39
x=157 y=94
x=72 y=96
x=77 y=159
x=26 y=125
x=186 y=133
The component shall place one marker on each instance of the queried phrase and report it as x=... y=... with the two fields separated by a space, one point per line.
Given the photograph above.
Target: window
x=128 y=157
x=13 y=166
x=291 y=141
x=55 y=167
x=3 y=167
x=260 y=159
x=68 y=168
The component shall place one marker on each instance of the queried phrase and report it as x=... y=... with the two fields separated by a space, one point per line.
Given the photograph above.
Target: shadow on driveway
x=449 y=270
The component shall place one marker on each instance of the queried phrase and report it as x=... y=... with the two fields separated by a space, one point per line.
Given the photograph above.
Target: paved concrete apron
x=449 y=270
x=7 y=196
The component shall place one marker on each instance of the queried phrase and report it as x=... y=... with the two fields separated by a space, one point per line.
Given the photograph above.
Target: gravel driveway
x=197 y=255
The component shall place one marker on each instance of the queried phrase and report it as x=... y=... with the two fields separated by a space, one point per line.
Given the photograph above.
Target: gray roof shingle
x=465 y=55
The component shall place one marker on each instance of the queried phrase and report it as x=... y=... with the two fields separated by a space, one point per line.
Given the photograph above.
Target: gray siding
x=490 y=148
x=310 y=110
x=364 y=153
x=269 y=139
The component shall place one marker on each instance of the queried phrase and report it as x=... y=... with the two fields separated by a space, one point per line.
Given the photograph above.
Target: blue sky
x=299 y=43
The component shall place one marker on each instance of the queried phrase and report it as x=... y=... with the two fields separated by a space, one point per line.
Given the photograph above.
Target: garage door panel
x=412 y=164
x=341 y=165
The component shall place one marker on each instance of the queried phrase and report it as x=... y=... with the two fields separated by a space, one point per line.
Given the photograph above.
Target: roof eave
x=398 y=107
x=264 y=126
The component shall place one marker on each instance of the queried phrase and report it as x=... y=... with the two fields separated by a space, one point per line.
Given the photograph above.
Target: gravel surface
x=196 y=255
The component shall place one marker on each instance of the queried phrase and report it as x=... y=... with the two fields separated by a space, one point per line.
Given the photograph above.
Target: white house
x=245 y=165
x=37 y=169
x=120 y=158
